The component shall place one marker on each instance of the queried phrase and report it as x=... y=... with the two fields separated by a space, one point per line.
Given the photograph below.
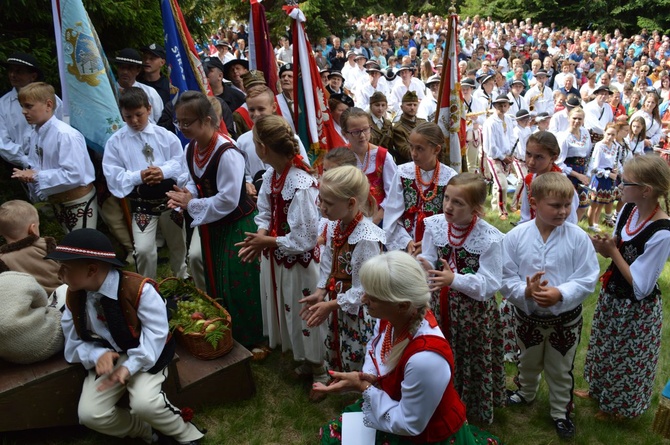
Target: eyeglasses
x=358 y=133
x=183 y=124
x=631 y=184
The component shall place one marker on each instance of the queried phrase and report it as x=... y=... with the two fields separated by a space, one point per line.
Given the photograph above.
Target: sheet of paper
x=354 y=432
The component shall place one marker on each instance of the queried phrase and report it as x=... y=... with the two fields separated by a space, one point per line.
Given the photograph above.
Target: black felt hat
x=24 y=60
x=129 y=56
x=87 y=244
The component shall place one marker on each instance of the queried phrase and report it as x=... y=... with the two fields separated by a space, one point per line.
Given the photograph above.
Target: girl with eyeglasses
x=624 y=347
x=376 y=162
x=216 y=200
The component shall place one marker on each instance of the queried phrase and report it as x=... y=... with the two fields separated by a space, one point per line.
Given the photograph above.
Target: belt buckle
x=160 y=208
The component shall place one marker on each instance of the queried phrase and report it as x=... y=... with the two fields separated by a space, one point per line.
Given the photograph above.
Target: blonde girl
x=623 y=351
x=351 y=238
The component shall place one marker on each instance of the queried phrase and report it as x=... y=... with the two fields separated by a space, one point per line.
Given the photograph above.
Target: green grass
x=279 y=413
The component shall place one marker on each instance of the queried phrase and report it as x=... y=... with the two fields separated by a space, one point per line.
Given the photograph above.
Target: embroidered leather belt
x=148 y=206
x=576 y=161
x=550 y=320
x=70 y=195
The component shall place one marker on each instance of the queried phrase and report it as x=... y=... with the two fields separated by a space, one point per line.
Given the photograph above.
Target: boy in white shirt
x=497 y=139
x=143 y=161
x=549 y=268
x=115 y=324
x=60 y=169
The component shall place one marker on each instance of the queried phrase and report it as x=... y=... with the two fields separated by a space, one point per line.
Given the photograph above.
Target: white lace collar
x=295 y=180
x=407 y=171
x=366 y=230
x=479 y=241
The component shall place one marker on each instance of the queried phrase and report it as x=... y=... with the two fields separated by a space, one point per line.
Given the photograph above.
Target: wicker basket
x=195 y=342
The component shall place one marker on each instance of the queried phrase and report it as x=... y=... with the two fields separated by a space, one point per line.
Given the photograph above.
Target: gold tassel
x=661 y=423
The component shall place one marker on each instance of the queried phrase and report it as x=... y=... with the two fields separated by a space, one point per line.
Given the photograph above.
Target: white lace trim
x=367 y=409
x=479 y=241
x=296 y=179
x=365 y=230
x=407 y=171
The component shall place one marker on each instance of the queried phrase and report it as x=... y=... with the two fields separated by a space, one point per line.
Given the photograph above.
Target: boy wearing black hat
x=520 y=135
x=128 y=66
x=22 y=69
x=540 y=97
x=115 y=324
x=402 y=128
x=497 y=139
x=408 y=83
x=365 y=90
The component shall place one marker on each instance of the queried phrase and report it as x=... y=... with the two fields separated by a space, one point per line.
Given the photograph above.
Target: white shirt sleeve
x=77 y=350
x=120 y=180
x=388 y=173
x=229 y=180
x=302 y=218
x=422 y=391
x=647 y=268
x=397 y=236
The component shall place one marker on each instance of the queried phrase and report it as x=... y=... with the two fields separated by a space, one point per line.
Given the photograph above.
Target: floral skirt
x=235 y=284
x=347 y=337
x=331 y=434
x=623 y=353
x=603 y=190
x=476 y=339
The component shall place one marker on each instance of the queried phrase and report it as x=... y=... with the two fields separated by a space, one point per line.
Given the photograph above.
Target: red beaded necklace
x=277 y=184
x=202 y=157
x=431 y=191
x=389 y=344
x=644 y=223
x=457 y=240
x=339 y=237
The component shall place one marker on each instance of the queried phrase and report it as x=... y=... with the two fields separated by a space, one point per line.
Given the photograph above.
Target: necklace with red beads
x=388 y=343
x=202 y=157
x=635 y=231
x=277 y=184
x=458 y=239
x=340 y=237
x=431 y=190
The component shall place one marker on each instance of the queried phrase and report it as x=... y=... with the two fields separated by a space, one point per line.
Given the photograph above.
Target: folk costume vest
x=449 y=416
x=120 y=316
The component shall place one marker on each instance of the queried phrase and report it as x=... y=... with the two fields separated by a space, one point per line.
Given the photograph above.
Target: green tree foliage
x=28 y=27
x=606 y=15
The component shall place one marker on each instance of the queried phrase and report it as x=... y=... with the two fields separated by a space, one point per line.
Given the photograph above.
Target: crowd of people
x=567 y=122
